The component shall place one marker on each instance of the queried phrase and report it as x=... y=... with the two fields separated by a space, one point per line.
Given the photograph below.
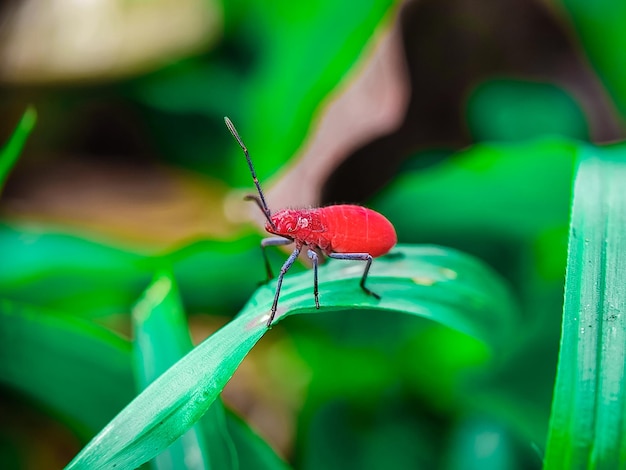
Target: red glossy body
x=336 y=229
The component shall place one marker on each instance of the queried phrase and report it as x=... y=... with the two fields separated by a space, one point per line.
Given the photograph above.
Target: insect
x=341 y=231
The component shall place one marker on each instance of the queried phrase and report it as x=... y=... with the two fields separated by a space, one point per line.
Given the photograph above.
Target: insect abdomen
x=356 y=229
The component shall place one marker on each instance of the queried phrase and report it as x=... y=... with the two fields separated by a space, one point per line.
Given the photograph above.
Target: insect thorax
x=297 y=223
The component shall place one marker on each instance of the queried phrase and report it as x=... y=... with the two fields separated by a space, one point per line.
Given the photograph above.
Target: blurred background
x=455 y=119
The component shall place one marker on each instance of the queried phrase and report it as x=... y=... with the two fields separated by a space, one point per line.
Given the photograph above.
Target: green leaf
x=279 y=62
x=81 y=373
x=587 y=427
x=169 y=406
x=508 y=203
x=252 y=451
x=69 y=273
x=478 y=442
x=458 y=195
x=78 y=370
x=516 y=110
x=220 y=439
x=162 y=338
x=11 y=151
x=446 y=286
x=76 y=275
x=348 y=437
x=600 y=28
x=308 y=51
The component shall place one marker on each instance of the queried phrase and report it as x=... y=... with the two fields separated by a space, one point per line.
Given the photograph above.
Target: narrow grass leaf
x=170 y=405
x=161 y=339
x=11 y=151
x=588 y=421
x=443 y=285
x=252 y=451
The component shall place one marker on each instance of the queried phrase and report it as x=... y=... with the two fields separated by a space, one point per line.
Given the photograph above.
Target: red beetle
x=342 y=232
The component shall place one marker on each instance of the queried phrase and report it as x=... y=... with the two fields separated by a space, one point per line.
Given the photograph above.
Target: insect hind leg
x=359 y=257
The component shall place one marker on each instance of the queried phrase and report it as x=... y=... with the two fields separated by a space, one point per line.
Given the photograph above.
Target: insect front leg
x=272 y=241
x=313 y=257
x=279 y=282
x=359 y=257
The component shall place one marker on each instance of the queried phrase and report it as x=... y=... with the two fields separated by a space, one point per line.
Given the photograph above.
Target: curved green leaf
x=81 y=373
x=279 y=62
x=252 y=451
x=600 y=28
x=78 y=370
x=170 y=405
x=435 y=283
x=73 y=274
x=588 y=422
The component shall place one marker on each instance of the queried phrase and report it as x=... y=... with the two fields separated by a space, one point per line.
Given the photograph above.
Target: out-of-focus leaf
x=85 y=277
x=478 y=442
x=309 y=51
x=600 y=29
x=11 y=151
x=516 y=110
x=588 y=422
x=79 y=371
x=219 y=274
x=69 y=273
x=253 y=452
x=280 y=61
x=509 y=191
x=446 y=286
x=353 y=438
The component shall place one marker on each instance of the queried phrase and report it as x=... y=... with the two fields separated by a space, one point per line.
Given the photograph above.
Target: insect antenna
x=261 y=199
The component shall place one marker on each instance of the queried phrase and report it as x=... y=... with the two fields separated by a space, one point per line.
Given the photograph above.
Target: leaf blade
x=162 y=338
x=74 y=368
x=11 y=151
x=589 y=407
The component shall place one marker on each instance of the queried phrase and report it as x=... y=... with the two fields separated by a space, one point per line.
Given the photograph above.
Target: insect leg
x=359 y=257
x=279 y=282
x=313 y=257
x=272 y=241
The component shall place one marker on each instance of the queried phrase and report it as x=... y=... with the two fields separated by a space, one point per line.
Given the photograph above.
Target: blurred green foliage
x=464 y=381
x=11 y=151
x=598 y=26
x=278 y=62
x=499 y=110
